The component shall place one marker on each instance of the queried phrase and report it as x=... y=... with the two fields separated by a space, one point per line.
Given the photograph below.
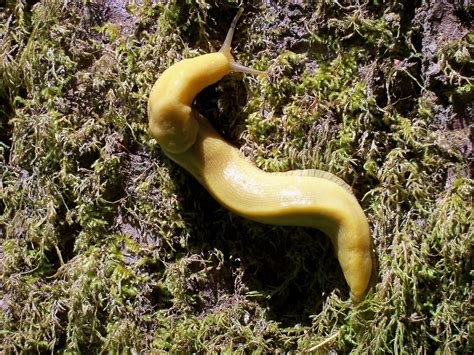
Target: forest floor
x=108 y=246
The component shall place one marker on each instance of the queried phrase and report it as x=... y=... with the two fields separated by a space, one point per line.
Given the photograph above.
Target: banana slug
x=308 y=198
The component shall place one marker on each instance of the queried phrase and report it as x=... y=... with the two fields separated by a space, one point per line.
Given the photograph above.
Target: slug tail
x=226 y=49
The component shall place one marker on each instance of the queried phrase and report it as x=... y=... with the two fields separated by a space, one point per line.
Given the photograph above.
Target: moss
x=106 y=245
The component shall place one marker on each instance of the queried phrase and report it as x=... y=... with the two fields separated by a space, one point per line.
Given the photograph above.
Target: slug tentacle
x=237 y=67
x=227 y=46
x=308 y=198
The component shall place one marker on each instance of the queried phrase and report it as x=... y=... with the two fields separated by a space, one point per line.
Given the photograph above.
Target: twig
x=324 y=342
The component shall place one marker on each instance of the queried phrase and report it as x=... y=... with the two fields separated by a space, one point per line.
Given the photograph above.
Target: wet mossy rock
x=107 y=246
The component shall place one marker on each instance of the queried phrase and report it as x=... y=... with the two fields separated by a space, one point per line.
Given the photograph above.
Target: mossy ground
x=107 y=246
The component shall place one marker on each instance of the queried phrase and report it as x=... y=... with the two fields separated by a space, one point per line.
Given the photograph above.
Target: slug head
x=174 y=126
x=171 y=120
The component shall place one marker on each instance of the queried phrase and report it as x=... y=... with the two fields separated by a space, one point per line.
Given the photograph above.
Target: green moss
x=107 y=246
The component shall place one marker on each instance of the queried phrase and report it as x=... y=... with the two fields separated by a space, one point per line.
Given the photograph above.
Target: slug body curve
x=307 y=198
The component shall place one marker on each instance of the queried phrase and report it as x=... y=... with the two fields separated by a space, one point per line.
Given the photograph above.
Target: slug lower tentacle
x=308 y=198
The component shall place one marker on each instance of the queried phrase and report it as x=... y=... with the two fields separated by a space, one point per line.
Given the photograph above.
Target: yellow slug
x=308 y=198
